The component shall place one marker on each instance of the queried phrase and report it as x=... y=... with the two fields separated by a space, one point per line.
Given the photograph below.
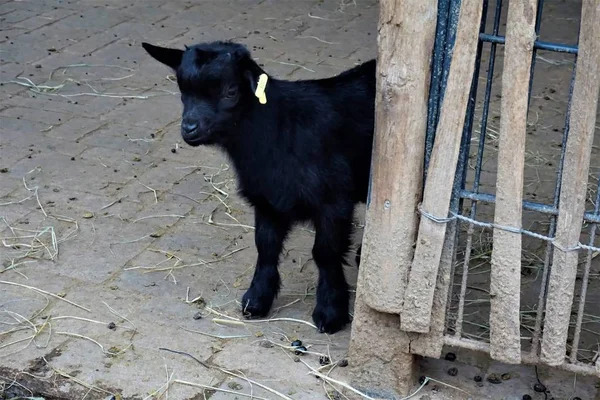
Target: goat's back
x=310 y=144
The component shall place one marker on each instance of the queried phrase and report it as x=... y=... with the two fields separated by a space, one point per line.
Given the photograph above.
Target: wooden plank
x=505 y=284
x=406 y=37
x=384 y=367
x=431 y=344
x=416 y=309
x=582 y=120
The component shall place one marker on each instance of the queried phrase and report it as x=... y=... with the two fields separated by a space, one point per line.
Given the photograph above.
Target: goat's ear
x=169 y=57
x=252 y=79
x=250 y=68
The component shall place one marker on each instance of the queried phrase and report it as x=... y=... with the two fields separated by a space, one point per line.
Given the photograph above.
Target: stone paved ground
x=119 y=219
x=124 y=207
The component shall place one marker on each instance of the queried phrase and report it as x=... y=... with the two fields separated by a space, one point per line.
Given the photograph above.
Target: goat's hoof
x=330 y=319
x=255 y=305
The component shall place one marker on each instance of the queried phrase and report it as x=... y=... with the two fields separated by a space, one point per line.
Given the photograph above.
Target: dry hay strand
x=223 y=319
x=239 y=375
x=56 y=89
x=338 y=386
x=48 y=326
x=554 y=62
x=178 y=264
x=32 y=190
x=217 y=389
x=290 y=64
x=228 y=320
x=221 y=194
x=58 y=297
x=34 y=244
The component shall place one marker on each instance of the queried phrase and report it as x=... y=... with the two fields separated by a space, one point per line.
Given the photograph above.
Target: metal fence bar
x=470 y=344
x=461 y=170
x=479 y=162
x=437 y=73
x=448 y=260
x=538 y=25
x=538 y=44
x=527 y=205
x=584 y=283
x=442 y=57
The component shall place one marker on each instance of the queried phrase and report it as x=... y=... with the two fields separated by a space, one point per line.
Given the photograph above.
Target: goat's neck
x=257 y=135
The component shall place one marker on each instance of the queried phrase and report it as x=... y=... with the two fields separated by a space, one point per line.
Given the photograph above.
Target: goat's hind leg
x=271 y=231
x=332 y=240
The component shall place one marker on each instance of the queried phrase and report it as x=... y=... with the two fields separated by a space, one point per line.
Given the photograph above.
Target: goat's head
x=216 y=81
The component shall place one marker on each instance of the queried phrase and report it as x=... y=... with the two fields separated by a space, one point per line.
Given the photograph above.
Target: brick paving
x=95 y=138
x=129 y=217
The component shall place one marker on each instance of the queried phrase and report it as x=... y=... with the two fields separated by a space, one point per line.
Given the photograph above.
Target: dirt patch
x=18 y=384
x=41 y=381
x=40 y=365
x=15 y=384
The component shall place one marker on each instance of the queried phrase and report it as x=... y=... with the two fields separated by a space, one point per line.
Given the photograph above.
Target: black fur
x=305 y=155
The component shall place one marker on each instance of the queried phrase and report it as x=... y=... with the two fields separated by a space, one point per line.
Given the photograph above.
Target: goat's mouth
x=198 y=139
x=195 y=141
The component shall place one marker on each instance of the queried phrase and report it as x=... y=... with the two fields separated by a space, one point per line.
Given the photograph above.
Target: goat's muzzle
x=195 y=132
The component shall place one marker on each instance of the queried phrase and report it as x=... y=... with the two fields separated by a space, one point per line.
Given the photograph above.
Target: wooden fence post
x=418 y=299
x=505 y=284
x=406 y=37
x=561 y=284
x=379 y=350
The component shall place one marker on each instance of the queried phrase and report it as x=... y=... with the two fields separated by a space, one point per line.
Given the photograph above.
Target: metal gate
x=468 y=246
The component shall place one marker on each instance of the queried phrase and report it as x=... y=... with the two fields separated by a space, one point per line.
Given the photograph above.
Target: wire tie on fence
x=432 y=217
x=578 y=246
x=454 y=216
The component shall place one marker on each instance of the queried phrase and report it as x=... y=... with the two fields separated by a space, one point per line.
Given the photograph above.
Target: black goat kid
x=301 y=150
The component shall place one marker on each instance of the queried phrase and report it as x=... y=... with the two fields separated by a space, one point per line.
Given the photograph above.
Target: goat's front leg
x=271 y=231
x=332 y=239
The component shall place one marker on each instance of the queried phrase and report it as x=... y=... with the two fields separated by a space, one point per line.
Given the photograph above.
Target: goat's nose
x=189 y=126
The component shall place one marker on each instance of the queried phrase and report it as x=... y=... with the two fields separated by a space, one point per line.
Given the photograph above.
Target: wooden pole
x=406 y=37
x=431 y=344
x=505 y=284
x=418 y=300
x=379 y=351
x=582 y=122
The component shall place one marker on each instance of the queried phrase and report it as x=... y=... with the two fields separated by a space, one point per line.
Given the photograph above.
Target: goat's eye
x=231 y=92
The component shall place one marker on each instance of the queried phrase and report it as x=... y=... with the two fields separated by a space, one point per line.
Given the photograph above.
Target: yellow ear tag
x=260 y=88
